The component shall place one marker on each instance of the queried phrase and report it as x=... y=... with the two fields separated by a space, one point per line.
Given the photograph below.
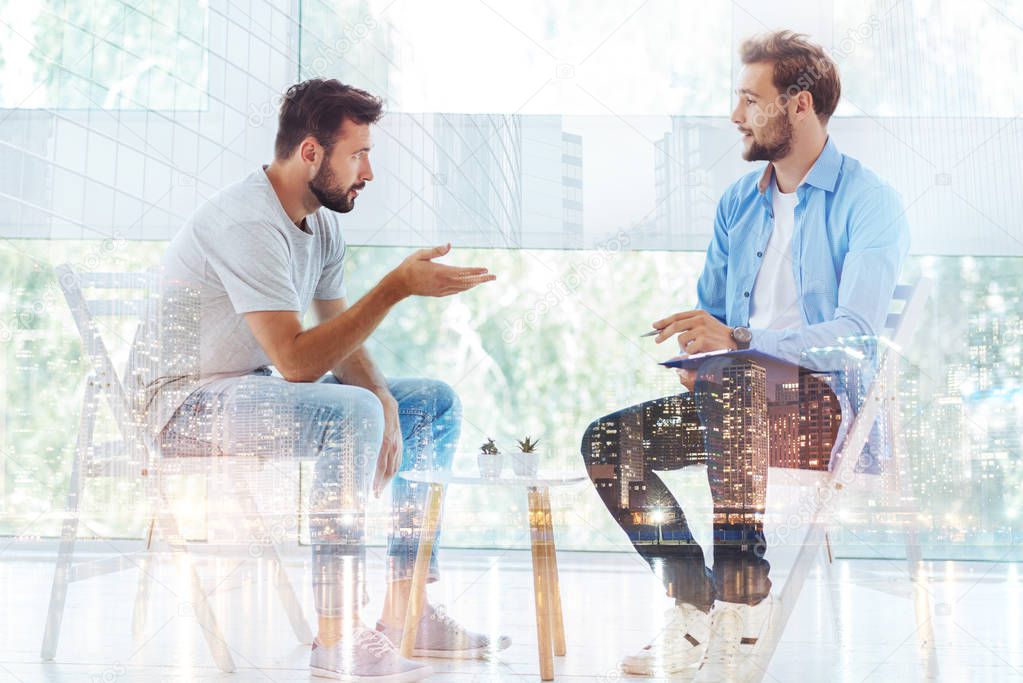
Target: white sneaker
x=680 y=644
x=438 y=635
x=736 y=633
x=366 y=657
x=724 y=656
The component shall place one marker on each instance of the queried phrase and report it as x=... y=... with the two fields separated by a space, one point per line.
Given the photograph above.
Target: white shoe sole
x=403 y=677
x=648 y=669
x=472 y=653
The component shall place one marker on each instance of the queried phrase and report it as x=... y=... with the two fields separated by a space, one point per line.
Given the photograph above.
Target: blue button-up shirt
x=849 y=242
x=848 y=246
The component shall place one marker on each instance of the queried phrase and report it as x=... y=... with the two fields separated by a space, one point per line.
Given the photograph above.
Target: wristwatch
x=742 y=337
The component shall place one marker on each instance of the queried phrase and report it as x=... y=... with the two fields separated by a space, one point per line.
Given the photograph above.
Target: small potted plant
x=527 y=460
x=489 y=460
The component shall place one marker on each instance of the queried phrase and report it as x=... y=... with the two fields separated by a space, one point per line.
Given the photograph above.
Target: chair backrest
x=901 y=298
x=901 y=326
x=85 y=311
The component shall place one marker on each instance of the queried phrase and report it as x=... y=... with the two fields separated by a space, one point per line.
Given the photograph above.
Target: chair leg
x=434 y=503
x=203 y=613
x=832 y=581
x=922 y=608
x=138 y=616
x=69 y=528
x=789 y=594
x=285 y=591
x=541 y=591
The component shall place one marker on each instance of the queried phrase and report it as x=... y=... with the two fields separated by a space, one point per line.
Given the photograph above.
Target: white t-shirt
x=238 y=253
x=774 y=302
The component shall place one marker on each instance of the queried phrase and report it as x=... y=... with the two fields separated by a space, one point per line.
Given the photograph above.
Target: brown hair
x=318 y=107
x=798 y=65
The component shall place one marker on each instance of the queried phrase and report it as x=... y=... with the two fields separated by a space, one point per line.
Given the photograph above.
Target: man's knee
x=446 y=399
x=435 y=398
x=360 y=413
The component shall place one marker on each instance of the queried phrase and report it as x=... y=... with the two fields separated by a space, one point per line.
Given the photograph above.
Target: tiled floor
x=612 y=606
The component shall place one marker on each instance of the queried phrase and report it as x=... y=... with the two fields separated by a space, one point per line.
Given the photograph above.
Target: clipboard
x=694 y=361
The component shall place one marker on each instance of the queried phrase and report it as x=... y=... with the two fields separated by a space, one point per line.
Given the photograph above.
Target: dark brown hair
x=799 y=64
x=318 y=107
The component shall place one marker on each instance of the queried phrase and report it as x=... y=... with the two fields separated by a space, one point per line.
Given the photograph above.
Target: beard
x=327 y=192
x=776 y=144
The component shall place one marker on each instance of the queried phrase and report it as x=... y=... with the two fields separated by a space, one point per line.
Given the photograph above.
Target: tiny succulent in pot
x=527 y=445
x=489 y=460
x=526 y=462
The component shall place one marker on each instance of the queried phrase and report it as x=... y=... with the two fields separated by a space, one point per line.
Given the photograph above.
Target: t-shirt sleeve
x=252 y=263
x=332 y=279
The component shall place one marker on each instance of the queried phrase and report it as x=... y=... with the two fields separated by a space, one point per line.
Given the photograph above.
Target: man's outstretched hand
x=698 y=332
x=418 y=275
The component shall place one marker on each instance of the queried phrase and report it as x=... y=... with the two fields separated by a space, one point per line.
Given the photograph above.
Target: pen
x=652 y=333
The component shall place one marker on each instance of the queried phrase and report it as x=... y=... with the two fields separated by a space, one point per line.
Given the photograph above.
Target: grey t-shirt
x=238 y=253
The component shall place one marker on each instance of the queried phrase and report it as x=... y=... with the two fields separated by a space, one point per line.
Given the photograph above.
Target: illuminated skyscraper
x=819 y=418
x=783 y=440
x=741 y=468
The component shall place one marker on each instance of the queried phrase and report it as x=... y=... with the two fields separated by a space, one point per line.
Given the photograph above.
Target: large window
x=577 y=148
x=544 y=355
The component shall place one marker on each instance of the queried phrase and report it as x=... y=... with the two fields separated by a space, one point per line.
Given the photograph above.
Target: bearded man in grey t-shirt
x=236 y=282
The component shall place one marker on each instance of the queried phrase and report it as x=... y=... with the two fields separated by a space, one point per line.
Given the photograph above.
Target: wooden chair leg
x=434 y=504
x=203 y=612
x=541 y=591
x=553 y=583
x=69 y=528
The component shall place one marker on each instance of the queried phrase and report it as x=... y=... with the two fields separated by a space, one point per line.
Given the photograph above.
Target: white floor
x=612 y=605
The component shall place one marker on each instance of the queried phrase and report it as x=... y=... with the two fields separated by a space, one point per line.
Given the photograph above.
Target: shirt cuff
x=766 y=341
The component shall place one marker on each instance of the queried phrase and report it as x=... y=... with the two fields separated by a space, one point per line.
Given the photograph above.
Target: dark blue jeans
x=725 y=423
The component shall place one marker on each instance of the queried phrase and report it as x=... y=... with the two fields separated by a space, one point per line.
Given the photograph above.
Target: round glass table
x=550 y=626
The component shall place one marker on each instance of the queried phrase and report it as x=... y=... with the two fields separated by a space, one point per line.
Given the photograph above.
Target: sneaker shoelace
x=440 y=615
x=375 y=643
x=676 y=629
x=726 y=634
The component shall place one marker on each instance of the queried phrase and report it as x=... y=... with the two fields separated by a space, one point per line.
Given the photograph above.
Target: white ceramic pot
x=525 y=464
x=490 y=465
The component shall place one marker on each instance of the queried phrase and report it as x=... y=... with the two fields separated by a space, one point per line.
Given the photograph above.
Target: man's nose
x=737 y=119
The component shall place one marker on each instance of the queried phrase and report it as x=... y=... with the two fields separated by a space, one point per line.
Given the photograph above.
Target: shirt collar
x=823 y=173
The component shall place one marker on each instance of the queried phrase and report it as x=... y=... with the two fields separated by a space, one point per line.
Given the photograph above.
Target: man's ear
x=804 y=104
x=308 y=150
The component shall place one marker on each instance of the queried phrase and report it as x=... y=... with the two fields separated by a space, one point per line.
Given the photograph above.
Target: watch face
x=742 y=335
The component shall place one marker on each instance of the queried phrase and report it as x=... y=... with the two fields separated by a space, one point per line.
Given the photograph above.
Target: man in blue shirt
x=805 y=257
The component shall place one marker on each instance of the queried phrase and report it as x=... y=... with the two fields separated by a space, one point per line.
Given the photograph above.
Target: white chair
x=830 y=488
x=134 y=455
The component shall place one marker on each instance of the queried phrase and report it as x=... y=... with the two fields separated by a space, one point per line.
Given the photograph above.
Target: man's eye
x=750 y=100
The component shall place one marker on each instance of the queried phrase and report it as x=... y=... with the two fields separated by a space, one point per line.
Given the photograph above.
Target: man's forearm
x=320 y=349
x=358 y=369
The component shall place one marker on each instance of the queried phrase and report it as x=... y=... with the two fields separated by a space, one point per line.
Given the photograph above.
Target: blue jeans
x=341 y=427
